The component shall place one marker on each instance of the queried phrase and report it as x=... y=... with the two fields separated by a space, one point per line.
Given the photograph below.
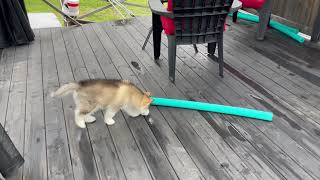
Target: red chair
x=189 y=22
x=264 y=9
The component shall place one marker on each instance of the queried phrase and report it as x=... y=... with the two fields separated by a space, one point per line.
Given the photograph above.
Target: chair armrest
x=157 y=8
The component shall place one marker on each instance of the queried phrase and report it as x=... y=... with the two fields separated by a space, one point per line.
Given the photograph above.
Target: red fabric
x=255 y=4
x=168 y=23
x=73 y=4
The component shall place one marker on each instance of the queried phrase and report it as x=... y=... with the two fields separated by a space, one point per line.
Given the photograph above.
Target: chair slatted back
x=199 y=21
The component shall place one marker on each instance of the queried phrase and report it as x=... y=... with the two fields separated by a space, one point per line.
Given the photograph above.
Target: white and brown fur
x=108 y=95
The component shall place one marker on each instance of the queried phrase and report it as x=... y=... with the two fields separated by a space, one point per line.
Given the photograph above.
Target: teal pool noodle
x=289 y=33
x=254 y=18
x=201 y=106
x=275 y=24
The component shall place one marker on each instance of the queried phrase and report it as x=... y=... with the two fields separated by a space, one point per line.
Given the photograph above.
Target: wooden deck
x=276 y=75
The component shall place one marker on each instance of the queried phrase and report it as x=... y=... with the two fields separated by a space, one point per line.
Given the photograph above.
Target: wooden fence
x=298 y=13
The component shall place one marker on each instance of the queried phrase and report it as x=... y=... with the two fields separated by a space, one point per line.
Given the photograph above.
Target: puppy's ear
x=147 y=93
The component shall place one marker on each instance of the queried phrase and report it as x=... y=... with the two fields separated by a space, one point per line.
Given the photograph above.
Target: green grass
x=87 y=6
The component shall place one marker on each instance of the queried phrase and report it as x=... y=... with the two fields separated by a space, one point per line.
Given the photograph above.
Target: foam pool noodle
x=201 y=106
x=289 y=31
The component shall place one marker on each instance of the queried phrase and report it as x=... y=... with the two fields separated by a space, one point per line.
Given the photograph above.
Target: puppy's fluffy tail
x=65 y=89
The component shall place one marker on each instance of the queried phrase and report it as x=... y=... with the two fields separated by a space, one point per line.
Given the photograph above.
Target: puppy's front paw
x=145 y=112
x=90 y=119
x=81 y=124
x=109 y=121
x=134 y=115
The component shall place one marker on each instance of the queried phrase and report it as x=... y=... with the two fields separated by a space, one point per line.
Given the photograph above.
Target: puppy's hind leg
x=83 y=111
x=80 y=118
x=83 y=115
x=89 y=118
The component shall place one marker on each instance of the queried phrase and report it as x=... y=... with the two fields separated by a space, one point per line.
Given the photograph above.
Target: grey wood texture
x=35 y=153
x=16 y=112
x=80 y=144
x=200 y=153
x=273 y=75
x=205 y=73
x=58 y=149
x=198 y=123
x=6 y=65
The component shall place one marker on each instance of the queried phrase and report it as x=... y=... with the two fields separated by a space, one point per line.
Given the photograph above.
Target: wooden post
x=315 y=36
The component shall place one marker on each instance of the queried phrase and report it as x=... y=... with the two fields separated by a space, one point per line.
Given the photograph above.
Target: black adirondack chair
x=195 y=21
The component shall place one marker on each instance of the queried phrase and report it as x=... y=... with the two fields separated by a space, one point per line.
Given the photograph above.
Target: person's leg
x=264 y=16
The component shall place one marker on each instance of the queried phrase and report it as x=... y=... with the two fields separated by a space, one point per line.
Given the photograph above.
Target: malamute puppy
x=109 y=95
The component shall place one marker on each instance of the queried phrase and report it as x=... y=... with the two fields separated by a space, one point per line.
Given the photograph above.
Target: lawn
x=87 y=6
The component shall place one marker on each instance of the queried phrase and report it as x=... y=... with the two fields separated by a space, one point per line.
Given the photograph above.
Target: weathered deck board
x=175 y=143
x=16 y=112
x=210 y=137
x=149 y=148
x=200 y=151
x=6 y=65
x=271 y=66
x=216 y=85
x=283 y=50
x=218 y=122
x=94 y=71
x=179 y=159
x=128 y=151
x=107 y=158
x=85 y=164
x=35 y=153
x=58 y=149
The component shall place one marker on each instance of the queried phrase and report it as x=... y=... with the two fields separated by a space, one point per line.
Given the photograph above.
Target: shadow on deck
x=276 y=75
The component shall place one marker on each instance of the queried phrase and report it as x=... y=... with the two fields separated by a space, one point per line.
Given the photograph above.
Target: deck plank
x=125 y=147
x=181 y=159
x=35 y=155
x=116 y=169
x=84 y=163
x=275 y=75
x=308 y=107
x=217 y=123
x=99 y=132
x=144 y=138
x=220 y=124
x=100 y=141
x=305 y=132
x=58 y=152
x=279 y=48
x=231 y=40
x=302 y=132
x=284 y=54
x=247 y=61
x=224 y=93
x=16 y=112
x=200 y=152
x=6 y=67
x=212 y=138
x=293 y=152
